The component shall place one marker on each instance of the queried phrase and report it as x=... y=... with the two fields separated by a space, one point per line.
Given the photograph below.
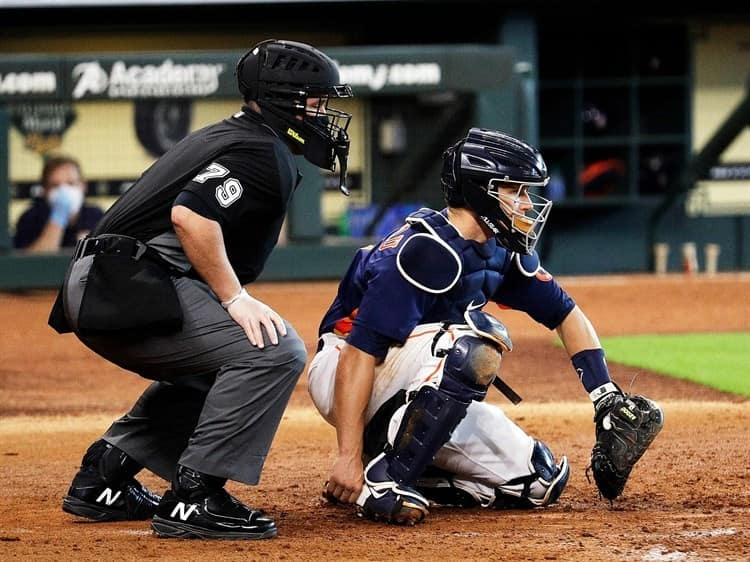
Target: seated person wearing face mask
x=59 y=218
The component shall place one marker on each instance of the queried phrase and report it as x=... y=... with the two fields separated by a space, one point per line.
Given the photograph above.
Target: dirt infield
x=688 y=499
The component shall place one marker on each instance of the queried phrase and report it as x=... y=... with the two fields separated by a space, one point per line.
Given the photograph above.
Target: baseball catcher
x=407 y=353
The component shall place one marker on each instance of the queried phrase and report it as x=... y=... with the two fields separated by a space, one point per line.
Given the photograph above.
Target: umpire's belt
x=112 y=244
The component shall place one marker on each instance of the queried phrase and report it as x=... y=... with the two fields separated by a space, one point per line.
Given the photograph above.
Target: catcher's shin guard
x=434 y=413
x=427 y=424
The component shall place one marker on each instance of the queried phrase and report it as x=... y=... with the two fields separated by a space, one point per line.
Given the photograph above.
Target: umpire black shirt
x=237 y=172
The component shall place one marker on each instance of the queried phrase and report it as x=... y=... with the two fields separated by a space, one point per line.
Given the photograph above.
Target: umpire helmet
x=280 y=76
x=477 y=172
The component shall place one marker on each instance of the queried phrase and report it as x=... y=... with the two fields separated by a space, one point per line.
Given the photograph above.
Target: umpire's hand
x=251 y=314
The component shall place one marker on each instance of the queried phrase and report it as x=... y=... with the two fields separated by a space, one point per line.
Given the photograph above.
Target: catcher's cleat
x=91 y=497
x=383 y=499
x=217 y=515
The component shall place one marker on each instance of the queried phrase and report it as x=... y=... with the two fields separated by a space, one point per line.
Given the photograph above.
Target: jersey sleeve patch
x=213 y=170
x=228 y=192
x=428 y=263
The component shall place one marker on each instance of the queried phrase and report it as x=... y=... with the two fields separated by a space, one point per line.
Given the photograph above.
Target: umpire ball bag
x=128 y=290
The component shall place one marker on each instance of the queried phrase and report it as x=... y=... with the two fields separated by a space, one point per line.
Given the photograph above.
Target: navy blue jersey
x=33 y=220
x=427 y=272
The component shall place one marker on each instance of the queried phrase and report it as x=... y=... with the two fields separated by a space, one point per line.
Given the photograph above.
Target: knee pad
x=470 y=366
x=542 y=487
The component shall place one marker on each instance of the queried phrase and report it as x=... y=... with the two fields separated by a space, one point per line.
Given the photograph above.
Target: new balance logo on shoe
x=183 y=511
x=107 y=497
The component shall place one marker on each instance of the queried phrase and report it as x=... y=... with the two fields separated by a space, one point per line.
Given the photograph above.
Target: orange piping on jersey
x=440 y=365
x=390 y=242
x=343 y=327
x=422 y=334
x=432 y=374
x=393 y=240
x=543 y=275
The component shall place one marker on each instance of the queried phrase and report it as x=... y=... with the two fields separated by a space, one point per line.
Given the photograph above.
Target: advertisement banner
x=24 y=78
x=369 y=70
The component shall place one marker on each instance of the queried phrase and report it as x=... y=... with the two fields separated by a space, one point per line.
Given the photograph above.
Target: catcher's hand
x=625 y=427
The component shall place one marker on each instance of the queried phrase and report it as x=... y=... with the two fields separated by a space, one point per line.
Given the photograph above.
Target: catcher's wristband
x=238 y=296
x=599 y=392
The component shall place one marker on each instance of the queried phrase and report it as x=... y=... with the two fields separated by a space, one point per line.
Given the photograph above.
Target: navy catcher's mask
x=477 y=173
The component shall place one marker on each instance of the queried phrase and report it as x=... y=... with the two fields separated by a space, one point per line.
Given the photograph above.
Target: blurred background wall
x=622 y=103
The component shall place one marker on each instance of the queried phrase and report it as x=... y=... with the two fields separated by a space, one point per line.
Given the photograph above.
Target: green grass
x=720 y=361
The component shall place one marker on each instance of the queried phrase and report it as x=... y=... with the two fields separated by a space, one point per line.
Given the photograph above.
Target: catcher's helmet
x=474 y=170
x=280 y=76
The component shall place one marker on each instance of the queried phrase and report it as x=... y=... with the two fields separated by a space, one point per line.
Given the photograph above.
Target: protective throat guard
x=321 y=139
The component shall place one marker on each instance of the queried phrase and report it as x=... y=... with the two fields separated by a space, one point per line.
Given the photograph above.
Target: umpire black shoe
x=91 y=497
x=217 y=515
x=104 y=489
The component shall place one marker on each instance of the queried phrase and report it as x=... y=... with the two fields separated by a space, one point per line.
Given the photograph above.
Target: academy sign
x=163 y=80
x=379 y=76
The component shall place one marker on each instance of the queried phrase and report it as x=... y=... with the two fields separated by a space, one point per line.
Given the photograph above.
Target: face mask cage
x=329 y=121
x=332 y=122
x=526 y=210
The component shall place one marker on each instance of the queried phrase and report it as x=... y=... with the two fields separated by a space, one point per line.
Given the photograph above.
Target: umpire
x=157 y=289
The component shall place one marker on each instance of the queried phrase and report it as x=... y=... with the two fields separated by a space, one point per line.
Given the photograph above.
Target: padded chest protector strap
x=528 y=265
x=426 y=261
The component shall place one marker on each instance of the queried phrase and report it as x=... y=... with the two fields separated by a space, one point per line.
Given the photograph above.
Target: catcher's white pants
x=486 y=449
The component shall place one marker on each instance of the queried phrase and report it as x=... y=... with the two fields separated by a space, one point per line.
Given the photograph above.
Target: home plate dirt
x=688 y=499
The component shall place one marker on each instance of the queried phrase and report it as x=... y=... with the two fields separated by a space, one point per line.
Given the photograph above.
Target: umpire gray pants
x=218 y=400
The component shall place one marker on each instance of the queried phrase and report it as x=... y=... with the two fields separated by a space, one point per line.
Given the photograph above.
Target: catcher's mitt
x=625 y=427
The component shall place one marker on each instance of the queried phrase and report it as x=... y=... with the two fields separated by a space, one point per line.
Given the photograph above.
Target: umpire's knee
x=292 y=354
